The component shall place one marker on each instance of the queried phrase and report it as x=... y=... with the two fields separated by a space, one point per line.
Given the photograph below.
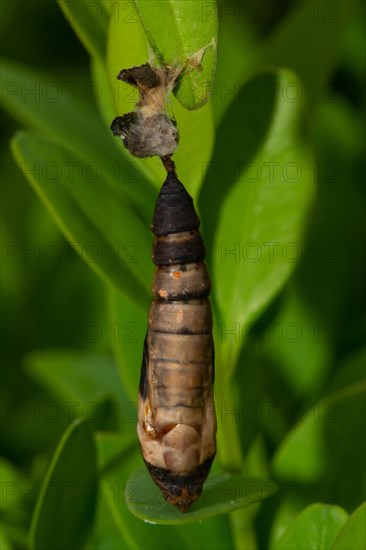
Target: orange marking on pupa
x=162 y=293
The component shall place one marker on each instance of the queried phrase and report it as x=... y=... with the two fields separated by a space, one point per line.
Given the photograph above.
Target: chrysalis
x=176 y=413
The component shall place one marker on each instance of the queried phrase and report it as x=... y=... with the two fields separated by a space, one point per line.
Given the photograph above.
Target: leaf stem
x=229 y=448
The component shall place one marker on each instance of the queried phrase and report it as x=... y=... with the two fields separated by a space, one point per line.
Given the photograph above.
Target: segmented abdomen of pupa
x=176 y=415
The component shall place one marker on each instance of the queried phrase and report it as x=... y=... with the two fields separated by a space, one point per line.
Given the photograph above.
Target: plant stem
x=230 y=452
x=228 y=413
x=244 y=536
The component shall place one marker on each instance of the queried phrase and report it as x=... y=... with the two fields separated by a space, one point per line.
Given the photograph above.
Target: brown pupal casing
x=148 y=131
x=176 y=413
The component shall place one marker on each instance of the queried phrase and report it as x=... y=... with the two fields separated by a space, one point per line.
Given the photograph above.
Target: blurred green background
x=63 y=330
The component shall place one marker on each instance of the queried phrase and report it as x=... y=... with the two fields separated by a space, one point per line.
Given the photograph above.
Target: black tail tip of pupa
x=181 y=490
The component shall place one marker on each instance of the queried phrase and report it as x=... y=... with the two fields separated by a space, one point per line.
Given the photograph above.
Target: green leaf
x=4 y=542
x=12 y=505
x=106 y=97
x=293 y=347
x=75 y=374
x=125 y=29
x=55 y=110
x=183 y=34
x=222 y=493
x=90 y=23
x=117 y=463
x=314 y=529
x=128 y=325
x=330 y=244
x=285 y=513
x=14 y=536
x=321 y=447
x=62 y=114
x=68 y=494
x=257 y=191
x=197 y=133
x=237 y=57
x=353 y=533
x=104 y=230
x=133 y=532
x=111 y=447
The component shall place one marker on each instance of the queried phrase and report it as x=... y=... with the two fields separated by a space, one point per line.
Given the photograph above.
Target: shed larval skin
x=176 y=414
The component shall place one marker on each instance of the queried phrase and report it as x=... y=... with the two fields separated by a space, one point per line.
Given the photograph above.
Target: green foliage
x=148 y=504
x=68 y=494
x=315 y=527
x=91 y=30
x=183 y=34
x=77 y=211
x=271 y=151
x=352 y=534
x=331 y=426
x=273 y=207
